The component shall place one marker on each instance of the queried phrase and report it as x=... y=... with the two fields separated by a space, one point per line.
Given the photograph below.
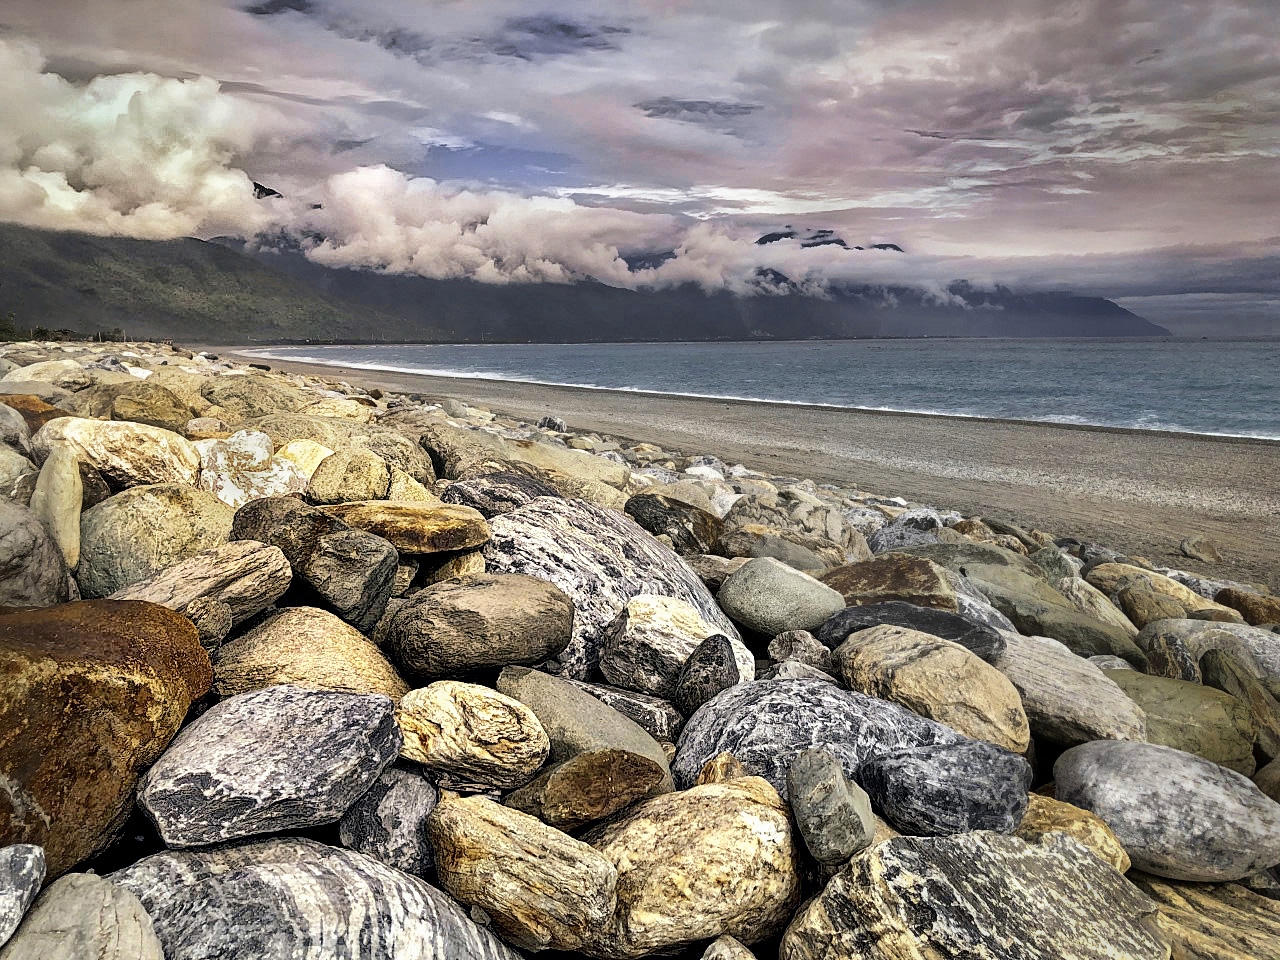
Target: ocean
x=1225 y=387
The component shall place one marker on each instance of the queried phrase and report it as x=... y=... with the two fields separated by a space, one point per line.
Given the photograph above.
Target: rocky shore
x=291 y=668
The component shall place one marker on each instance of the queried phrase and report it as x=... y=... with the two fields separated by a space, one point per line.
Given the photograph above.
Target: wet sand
x=1141 y=492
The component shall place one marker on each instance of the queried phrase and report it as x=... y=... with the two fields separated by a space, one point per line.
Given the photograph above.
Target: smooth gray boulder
x=918 y=526
x=389 y=822
x=14 y=431
x=833 y=813
x=769 y=597
x=281 y=758
x=57 y=499
x=33 y=572
x=22 y=870
x=1177 y=815
x=85 y=917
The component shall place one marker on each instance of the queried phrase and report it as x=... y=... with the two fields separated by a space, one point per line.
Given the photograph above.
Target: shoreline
x=1140 y=491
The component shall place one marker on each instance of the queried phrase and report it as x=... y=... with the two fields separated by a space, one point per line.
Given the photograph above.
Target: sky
x=1121 y=148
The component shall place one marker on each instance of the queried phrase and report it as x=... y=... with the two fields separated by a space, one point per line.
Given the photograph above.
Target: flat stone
x=33 y=572
x=1214 y=921
x=351 y=475
x=587 y=787
x=468 y=737
x=710 y=669
x=769 y=597
x=494 y=494
x=832 y=812
x=600 y=559
x=388 y=823
x=975 y=636
x=893 y=578
x=1176 y=814
x=1254 y=607
x=57 y=499
x=67 y=373
x=82 y=916
x=692 y=530
x=278 y=759
x=416 y=528
x=22 y=870
x=286 y=898
x=920 y=897
x=127 y=454
x=1046 y=815
x=657 y=717
x=252 y=395
x=90 y=694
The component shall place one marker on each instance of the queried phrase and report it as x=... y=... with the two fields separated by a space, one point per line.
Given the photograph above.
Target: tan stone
x=127 y=454
x=893 y=577
x=1254 y=607
x=1047 y=815
x=306 y=455
x=405 y=488
x=1088 y=599
x=1109 y=577
x=57 y=498
x=721 y=769
x=416 y=528
x=340 y=407
x=587 y=788
x=1214 y=921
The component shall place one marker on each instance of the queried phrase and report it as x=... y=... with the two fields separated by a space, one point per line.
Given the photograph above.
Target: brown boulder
x=416 y=527
x=890 y=577
x=1254 y=607
x=34 y=410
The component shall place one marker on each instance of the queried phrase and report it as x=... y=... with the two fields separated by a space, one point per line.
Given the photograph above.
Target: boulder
x=33 y=572
x=282 y=758
x=416 y=527
x=457 y=453
x=90 y=694
x=920 y=897
x=405 y=488
x=136 y=534
x=22 y=870
x=66 y=373
x=832 y=812
x=713 y=570
x=1046 y=815
x=244 y=397
x=1142 y=605
x=710 y=669
x=304 y=647
x=389 y=822
x=85 y=916
x=306 y=455
x=126 y=454
x=343 y=407
x=16 y=472
x=34 y=411
x=286 y=898
x=893 y=578
x=152 y=404
x=560 y=461
x=1254 y=607
x=796 y=510
x=1214 y=921
x=600 y=559
x=769 y=597
x=657 y=717
x=799 y=551
x=587 y=787
x=915 y=527
x=727 y=948
x=1111 y=577
x=349 y=476
x=801 y=646
x=244 y=467
x=1176 y=814
x=57 y=499
x=494 y=494
x=395 y=449
x=1092 y=602
x=468 y=737
x=978 y=638
x=692 y=531
x=14 y=431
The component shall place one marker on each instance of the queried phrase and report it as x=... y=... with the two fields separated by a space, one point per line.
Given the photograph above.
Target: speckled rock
x=292 y=899
x=244 y=467
x=895 y=577
x=540 y=887
x=278 y=759
x=342 y=407
x=468 y=737
x=832 y=812
x=917 y=898
x=33 y=572
x=801 y=646
x=727 y=948
x=305 y=647
x=90 y=694
x=710 y=669
x=975 y=636
x=769 y=597
x=22 y=871
x=937 y=679
x=415 y=527
x=251 y=395
x=600 y=559
x=692 y=530
x=127 y=454
x=587 y=788
x=648 y=643
x=1214 y=921
x=657 y=717
x=85 y=916
x=911 y=528
x=57 y=499
x=150 y=403
x=1177 y=815
x=1046 y=815
x=350 y=475
x=389 y=822
x=494 y=494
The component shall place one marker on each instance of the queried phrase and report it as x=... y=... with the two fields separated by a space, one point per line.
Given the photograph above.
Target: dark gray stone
x=692 y=531
x=32 y=571
x=294 y=899
x=494 y=494
x=553 y=423
x=21 y=874
x=657 y=717
x=281 y=758
x=977 y=637
x=710 y=669
x=833 y=813
x=911 y=528
x=389 y=822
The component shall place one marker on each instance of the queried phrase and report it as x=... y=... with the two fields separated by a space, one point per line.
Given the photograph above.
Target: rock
x=389 y=821
x=1142 y=605
x=1267 y=780
x=1199 y=548
x=937 y=679
x=32 y=570
x=648 y=643
x=84 y=916
x=468 y=737
x=577 y=722
x=797 y=550
x=600 y=559
x=478 y=621
x=15 y=469
x=657 y=717
x=1092 y=602
x=1193 y=718
x=348 y=476
x=832 y=812
x=152 y=404
x=911 y=528
x=245 y=397
x=1177 y=815
x=286 y=898
x=710 y=669
x=212 y=620
x=769 y=597
x=540 y=888
x=405 y=488
x=1254 y=607
x=552 y=423
x=304 y=647
x=713 y=571
x=587 y=787
x=21 y=874
x=895 y=577
x=1067 y=699
x=34 y=411
x=692 y=530
x=1045 y=815
x=416 y=528
x=801 y=646
x=90 y=694
x=350 y=572
x=727 y=948
x=66 y=373
x=1214 y=921
x=393 y=448
x=206 y=428
x=795 y=670
x=278 y=759
x=138 y=533
x=984 y=642
x=795 y=510
x=1111 y=577
x=126 y=454
x=14 y=431
x=494 y=494
x=306 y=455
x=557 y=462
x=56 y=501
x=918 y=897
x=246 y=575
x=243 y=467
x=342 y=407
x=1106 y=663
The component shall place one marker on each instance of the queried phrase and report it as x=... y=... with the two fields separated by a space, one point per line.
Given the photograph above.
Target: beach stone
x=657 y=717
x=90 y=694
x=711 y=668
x=22 y=871
x=136 y=534
x=692 y=530
x=66 y=373
x=287 y=898
x=212 y=620
x=1214 y=921
x=1193 y=718
x=600 y=559
x=795 y=670
x=35 y=412
x=306 y=455
x=342 y=407
x=648 y=644
x=1107 y=663
x=984 y=642
x=494 y=494
x=712 y=860
x=1177 y=815
x=587 y=788
x=1092 y=602
x=405 y=488
x=389 y=822
x=14 y=431
x=1046 y=815
x=800 y=646
x=1267 y=780
x=576 y=721
x=478 y=621
x=85 y=916
x=456 y=453
x=894 y=577
x=1111 y=578
x=920 y=897
x=727 y=948
x=57 y=499
x=348 y=476
x=33 y=572
x=416 y=528
x=937 y=679
x=205 y=428
x=126 y=454
x=558 y=461
x=244 y=467
x=16 y=471
x=769 y=597
x=793 y=509
x=245 y=397
x=832 y=812
x=915 y=527
x=304 y=647
x=467 y=737
x=395 y=449
x=1254 y=607
x=1142 y=605
x=713 y=570
x=799 y=551
x=541 y=888
x=282 y=758
x=553 y=423
x=152 y=404
x=1200 y=548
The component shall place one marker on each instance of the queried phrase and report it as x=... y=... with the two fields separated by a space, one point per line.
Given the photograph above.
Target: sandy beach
x=1138 y=491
